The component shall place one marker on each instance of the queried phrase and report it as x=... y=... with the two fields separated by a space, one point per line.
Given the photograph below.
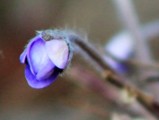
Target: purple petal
x=58 y=52
x=23 y=56
x=34 y=83
x=117 y=66
x=37 y=56
x=45 y=70
x=120 y=46
x=24 y=53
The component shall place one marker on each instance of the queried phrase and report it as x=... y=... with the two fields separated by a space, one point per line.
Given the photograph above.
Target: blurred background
x=65 y=99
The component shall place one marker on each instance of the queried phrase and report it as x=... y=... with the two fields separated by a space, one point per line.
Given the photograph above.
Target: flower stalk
x=119 y=81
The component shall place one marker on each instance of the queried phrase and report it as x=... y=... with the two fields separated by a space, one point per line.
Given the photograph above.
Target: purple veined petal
x=58 y=52
x=37 y=56
x=34 y=83
x=24 y=53
x=45 y=70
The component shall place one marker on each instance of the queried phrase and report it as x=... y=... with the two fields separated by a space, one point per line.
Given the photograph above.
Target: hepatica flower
x=120 y=46
x=45 y=57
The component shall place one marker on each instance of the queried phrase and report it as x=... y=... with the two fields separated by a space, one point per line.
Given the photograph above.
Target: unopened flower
x=45 y=56
x=121 y=47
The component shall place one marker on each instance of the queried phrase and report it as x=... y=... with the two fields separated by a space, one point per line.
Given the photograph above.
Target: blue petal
x=24 y=53
x=37 y=56
x=117 y=66
x=58 y=52
x=23 y=56
x=34 y=83
x=45 y=70
x=120 y=46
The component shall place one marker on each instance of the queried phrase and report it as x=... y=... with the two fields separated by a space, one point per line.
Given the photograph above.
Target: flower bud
x=121 y=47
x=45 y=56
